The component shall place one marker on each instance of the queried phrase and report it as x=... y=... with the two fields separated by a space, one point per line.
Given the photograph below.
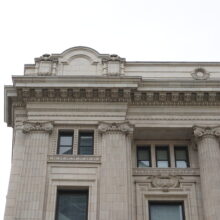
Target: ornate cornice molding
x=115 y=127
x=129 y=95
x=201 y=132
x=33 y=126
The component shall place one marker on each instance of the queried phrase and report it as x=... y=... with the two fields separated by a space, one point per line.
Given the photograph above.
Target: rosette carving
x=123 y=127
x=200 y=132
x=30 y=126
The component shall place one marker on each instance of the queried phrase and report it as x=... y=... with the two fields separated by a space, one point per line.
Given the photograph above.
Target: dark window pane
x=143 y=156
x=162 y=154
x=86 y=150
x=72 y=205
x=181 y=157
x=65 y=145
x=162 y=157
x=166 y=212
x=86 y=140
x=85 y=143
x=65 y=150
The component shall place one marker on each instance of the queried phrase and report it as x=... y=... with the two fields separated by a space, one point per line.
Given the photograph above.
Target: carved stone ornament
x=123 y=127
x=165 y=181
x=132 y=96
x=30 y=126
x=200 y=132
x=200 y=74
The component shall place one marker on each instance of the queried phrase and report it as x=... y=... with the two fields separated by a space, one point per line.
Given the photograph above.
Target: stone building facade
x=97 y=137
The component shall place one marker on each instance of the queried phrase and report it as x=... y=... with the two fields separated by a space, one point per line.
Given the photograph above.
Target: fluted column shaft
x=15 y=176
x=32 y=191
x=115 y=176
x=209 y=162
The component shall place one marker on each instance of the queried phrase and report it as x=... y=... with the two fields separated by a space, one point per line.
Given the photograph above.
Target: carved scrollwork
x=30 y=126
x=165 y=181
x=200 y=132
x=124 y=127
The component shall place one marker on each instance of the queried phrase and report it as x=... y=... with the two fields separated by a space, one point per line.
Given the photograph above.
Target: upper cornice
x=81 y=74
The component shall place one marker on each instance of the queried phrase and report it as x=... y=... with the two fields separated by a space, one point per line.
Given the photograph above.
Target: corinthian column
x=209 y=162
x=115 y=176
x=33 y=175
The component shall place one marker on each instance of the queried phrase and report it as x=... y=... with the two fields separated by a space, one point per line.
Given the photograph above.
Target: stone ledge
x=167 y=171
x=74 y=159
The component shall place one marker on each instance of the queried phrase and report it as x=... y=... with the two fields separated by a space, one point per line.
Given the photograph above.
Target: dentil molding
x=33 y=126
x=129 y=95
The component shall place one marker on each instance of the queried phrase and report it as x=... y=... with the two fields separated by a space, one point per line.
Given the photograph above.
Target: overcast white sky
x=147 y=30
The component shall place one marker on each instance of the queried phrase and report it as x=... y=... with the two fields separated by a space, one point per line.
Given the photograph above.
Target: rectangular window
x=72 y=205
x=65 y=143
x=86 y=143
x=162 y=156
x=181 y=157
x=143 y=156
x=166 y=211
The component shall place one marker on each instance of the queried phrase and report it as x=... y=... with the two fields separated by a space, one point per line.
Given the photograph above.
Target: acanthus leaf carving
x=33 y=126
x=200 y=132
x=124 y=127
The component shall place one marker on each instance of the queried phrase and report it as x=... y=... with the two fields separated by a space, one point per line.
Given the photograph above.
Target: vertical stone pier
x=209 y=162
x=116 y=173
x=33 y=175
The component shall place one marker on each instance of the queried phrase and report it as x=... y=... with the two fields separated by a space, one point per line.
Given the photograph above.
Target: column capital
x=35 y=126
x=115 y=127
x=203 y=131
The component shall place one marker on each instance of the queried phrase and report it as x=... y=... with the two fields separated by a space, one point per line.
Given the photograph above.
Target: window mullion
x=76 y=140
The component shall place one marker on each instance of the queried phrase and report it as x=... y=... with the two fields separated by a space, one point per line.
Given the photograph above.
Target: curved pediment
x=80 y=61
x=73 y=61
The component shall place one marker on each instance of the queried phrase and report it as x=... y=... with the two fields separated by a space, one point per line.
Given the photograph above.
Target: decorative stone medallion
x=200 y=74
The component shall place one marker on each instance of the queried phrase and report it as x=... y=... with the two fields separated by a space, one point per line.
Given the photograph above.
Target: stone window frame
x=80 y=184
x=186 y=193
x=170 y=143
x=54 y=138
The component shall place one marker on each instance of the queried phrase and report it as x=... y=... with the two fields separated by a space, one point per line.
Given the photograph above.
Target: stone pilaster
x=116 y=174
x=209 y=162
x=16 y=168
x=33 y=174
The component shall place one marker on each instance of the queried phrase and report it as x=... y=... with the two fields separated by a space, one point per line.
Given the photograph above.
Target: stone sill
x=166 y=171
x=86 y=159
